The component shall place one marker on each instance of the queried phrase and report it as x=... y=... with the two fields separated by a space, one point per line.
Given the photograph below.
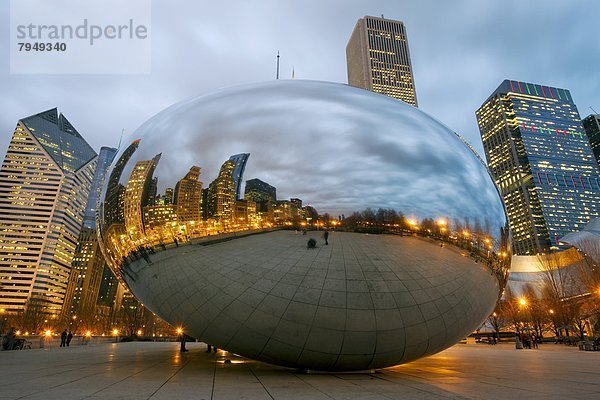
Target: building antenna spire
x=293 y=73
x=277 y=76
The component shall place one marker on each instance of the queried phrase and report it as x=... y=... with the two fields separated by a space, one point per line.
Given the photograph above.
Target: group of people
x=526 y=340
x=65 y=338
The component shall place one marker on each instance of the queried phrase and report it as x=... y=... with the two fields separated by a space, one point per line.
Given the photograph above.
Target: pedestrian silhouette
x=183 y=339
x=69 y=338
x=8 y=342
x=326 y=236
x=63 y=338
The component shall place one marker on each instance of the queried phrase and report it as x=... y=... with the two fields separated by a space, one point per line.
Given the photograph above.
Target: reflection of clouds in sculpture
x=372 y=151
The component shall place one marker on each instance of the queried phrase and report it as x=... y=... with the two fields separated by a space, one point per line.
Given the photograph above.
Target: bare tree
x=562 y=287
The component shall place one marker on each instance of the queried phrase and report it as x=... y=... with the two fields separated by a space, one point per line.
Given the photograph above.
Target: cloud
x=460 y=52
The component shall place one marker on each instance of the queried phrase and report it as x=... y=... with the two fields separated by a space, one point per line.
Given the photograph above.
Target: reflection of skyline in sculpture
x=221 y=193
x=188 y=196
x=261 y=192
x=238 y=172
x=113 y=201
x=396 y=281
x=138 y=216
x=137 y=196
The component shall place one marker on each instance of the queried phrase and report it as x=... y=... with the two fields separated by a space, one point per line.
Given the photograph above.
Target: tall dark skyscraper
x=240 y=161
x=378 y=59
x=591 y=125
x=105 y=157
x=88 y=263
x=542 y=162
x=45 y=181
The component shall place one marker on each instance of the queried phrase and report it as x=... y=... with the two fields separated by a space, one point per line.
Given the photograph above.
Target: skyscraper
x=105 y=157
x=44 y=186
x=259 y=191
x=263 y=194
x=85 y=279
x=378 y=59
x=542 y=162
x=238 y=171
x=188 y=196
x=88 y=262
x=591 y=125
x=221 y=193
x=139 y=192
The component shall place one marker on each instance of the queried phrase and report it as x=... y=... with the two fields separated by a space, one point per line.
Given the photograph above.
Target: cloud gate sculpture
x=208 y=212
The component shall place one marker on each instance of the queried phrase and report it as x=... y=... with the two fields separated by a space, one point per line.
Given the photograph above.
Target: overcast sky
x=460 y=50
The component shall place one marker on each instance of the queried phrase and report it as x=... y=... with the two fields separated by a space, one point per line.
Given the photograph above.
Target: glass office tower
x=88 y=263
x=378 y=59
x=542 y=162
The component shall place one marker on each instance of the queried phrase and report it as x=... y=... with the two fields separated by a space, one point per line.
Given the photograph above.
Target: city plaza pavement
x=146 y=370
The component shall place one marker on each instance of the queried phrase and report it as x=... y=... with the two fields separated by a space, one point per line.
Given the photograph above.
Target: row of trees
x=565 y=302
x=129 y=318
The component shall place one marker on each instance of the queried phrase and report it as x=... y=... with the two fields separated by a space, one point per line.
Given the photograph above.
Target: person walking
x=69 y=338
x=326 y=236
x=63 y=338
x=182 y=338
x=534 y=341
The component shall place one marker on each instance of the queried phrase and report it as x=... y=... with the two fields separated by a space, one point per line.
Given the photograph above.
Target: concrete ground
x=160 y=371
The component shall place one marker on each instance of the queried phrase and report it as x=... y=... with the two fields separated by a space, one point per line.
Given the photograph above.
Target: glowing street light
x=179 y=331
x=522 y=301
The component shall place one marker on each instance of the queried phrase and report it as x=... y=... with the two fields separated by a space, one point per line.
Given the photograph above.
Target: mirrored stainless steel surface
x=417 y=251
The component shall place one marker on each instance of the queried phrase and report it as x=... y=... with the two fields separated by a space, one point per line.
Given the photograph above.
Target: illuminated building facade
x=542 y=162
x=221 y=193
x=160 y=221
x=137 y=192
x=86 y=276
x=378 y=59
x=591 y=125
x=44 y=186
x=188 y=196
x=259 y=191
